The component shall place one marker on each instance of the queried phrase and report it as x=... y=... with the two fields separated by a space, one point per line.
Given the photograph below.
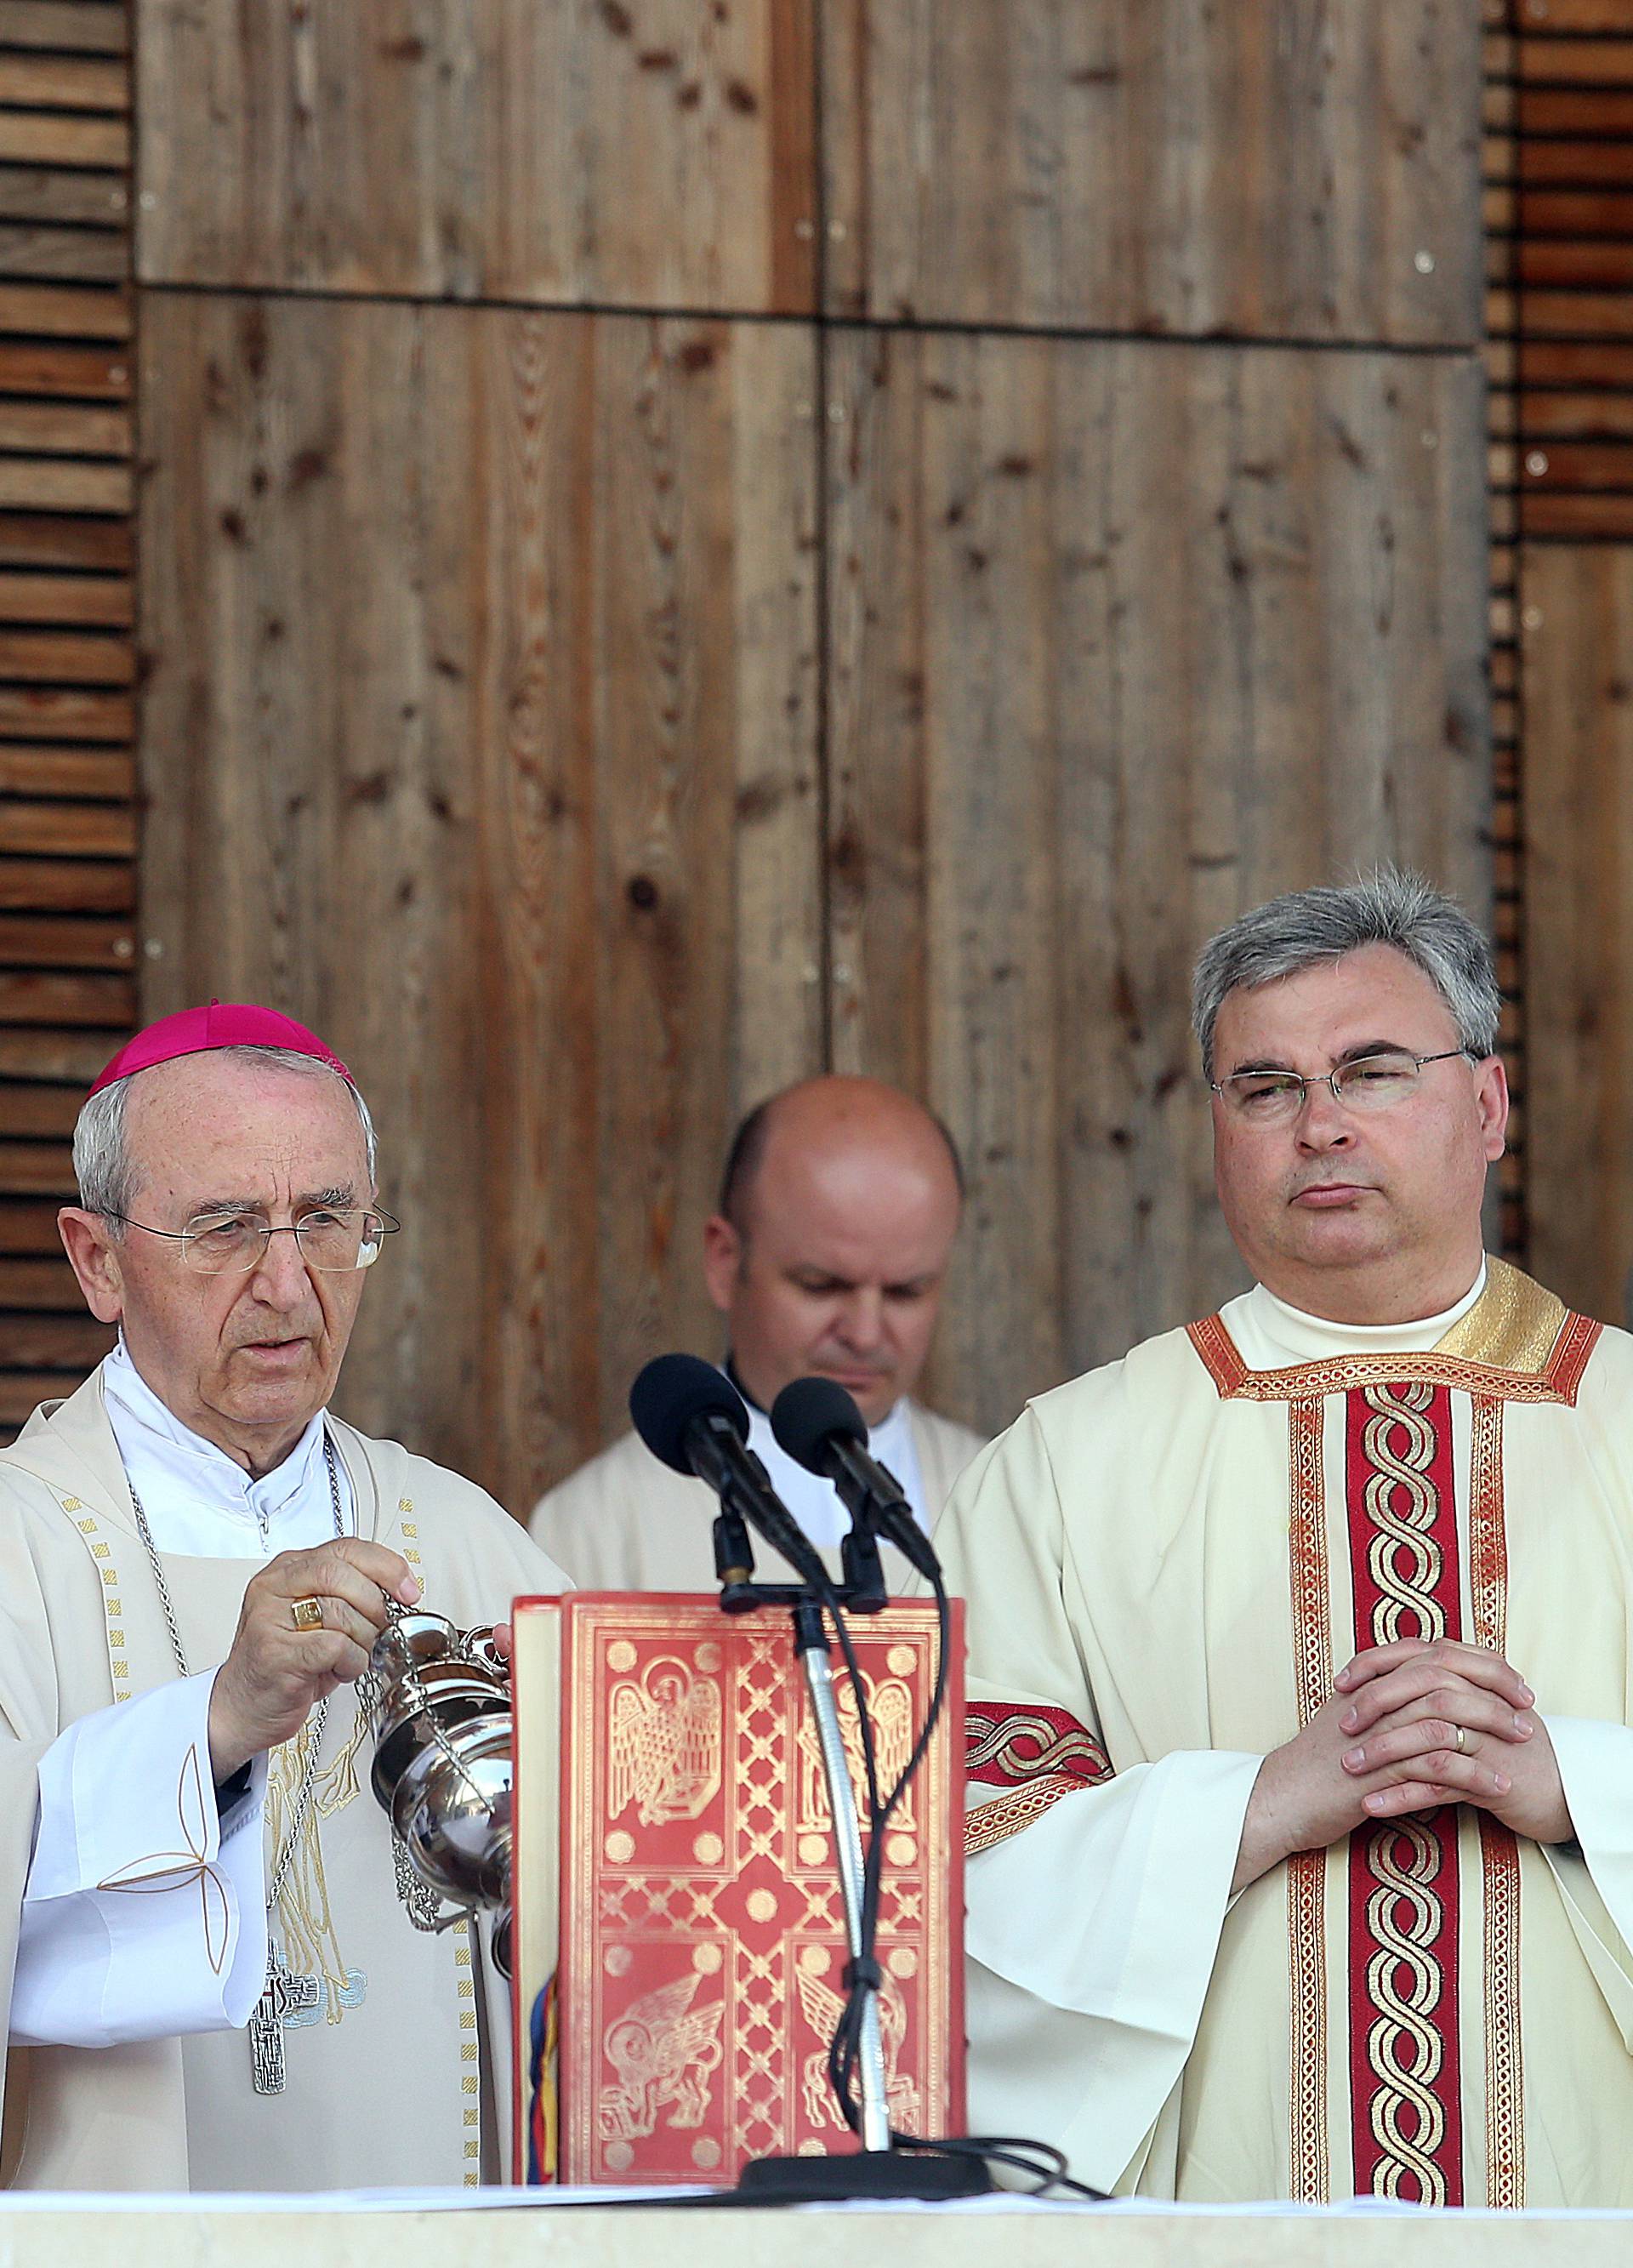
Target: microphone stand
x=811 y=1642
x=879 y=2169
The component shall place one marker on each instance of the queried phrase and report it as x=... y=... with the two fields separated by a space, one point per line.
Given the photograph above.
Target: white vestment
x=141 y=1937
x=1166 y=1563
x=626 y=1522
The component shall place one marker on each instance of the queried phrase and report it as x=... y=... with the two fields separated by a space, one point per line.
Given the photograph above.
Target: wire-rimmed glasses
x=1374 y=1082
x=332 y=1238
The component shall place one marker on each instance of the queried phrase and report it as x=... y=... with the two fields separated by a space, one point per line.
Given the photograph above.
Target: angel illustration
x=823 y=2007
x=665 y=1742
x=663 y=2050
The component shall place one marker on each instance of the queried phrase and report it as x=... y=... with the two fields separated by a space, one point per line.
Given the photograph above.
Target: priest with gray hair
x=1301 y=1847
x=213 y=1958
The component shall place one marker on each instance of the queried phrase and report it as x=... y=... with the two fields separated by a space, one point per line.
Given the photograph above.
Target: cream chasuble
x=394 y=2036
x=1166 y=1563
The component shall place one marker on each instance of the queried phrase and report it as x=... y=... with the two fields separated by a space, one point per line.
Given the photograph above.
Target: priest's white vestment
x=395 y=2043
x=625 y=1522
x=1166 y=1563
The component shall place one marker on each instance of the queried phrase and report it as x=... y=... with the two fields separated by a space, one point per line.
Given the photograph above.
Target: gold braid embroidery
x=1306 y=1872
x=1505 y=2090
x=997 y=1822
x=1405 y=1562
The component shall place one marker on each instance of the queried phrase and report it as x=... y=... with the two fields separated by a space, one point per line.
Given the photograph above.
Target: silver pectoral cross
x=284 y=1995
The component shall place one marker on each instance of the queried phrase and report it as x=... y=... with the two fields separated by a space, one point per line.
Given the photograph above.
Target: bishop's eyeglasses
x=330 y=1238
x=1374 y=1082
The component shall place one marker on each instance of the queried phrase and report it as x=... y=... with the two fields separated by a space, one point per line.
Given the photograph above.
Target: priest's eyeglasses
x=1375 y=1082
x=333 y=1242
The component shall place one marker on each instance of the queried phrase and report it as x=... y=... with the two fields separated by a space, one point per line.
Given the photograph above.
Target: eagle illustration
x=665 y=1743
x=890 y=1710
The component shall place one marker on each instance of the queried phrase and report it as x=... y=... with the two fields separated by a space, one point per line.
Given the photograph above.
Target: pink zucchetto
x=223 y=1024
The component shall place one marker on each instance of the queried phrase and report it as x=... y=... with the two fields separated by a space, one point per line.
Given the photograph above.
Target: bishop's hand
x=277 y=1672
x=1431 y=1722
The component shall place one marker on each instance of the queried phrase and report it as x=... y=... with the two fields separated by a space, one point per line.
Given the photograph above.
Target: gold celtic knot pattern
x=1403 y=1873
x=1401 y=1504
x=1404 y=1916
x=1400 y=1922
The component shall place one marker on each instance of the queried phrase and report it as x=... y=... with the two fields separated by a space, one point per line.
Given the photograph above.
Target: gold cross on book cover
x=680 y=1967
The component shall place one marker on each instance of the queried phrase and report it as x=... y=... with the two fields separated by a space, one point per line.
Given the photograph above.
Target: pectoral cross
x=283 y=1995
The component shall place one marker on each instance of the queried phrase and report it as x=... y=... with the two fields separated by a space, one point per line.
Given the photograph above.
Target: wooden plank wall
x=68 y=941
x=524 y=821
x=684 y=543
x=1560 y=216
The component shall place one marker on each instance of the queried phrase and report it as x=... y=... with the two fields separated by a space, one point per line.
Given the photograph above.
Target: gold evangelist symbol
x=663 y=2050
x=890 y=1710
x=665 y=1743
x=823 y=2007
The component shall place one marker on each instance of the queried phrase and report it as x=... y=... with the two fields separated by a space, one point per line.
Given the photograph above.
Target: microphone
x=693 y=1419
x=820 y=1427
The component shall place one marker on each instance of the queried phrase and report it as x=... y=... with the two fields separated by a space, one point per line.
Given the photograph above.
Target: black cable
x=845 y=2044
x=1046 y=2166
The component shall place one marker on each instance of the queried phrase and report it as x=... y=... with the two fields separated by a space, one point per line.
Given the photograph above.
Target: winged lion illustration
x=663 y=2050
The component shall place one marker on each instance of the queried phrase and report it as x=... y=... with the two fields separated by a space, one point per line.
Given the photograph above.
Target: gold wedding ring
x=1460 y=1740
x=307 y=1614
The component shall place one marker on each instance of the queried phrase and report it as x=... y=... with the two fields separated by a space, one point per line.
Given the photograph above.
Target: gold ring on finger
x=1460 y=1739
x=307 y=1614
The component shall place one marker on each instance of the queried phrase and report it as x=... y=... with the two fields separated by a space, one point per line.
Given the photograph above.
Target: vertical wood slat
x=1560 y=167
x=657 y=153
x=1125 y=638
x=527 y=828
x=1046 y=162
x=67 y=942
x=1156 y=168
x=1577 y=638
x=1502 y=196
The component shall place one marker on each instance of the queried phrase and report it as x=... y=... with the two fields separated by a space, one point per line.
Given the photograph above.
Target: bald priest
x=195 y=1557
x=838 y=1208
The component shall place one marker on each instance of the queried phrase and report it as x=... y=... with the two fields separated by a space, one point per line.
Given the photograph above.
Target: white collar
x=1294 y=1335
x=197 y=1498
x=814 y=1502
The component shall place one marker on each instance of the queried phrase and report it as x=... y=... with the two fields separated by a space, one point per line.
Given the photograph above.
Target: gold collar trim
x=1517 y=1343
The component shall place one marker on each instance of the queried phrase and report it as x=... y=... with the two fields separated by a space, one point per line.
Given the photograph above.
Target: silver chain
x=308 y=1778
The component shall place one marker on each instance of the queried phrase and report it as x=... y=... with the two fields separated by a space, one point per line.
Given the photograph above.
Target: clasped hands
x=1386 y=1742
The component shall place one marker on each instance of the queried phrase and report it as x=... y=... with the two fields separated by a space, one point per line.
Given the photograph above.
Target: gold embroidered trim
x=1497 y=1358
x=1403 y=1859
x=995 y=1746
x=1306 y=1923
x=113 y=1601
x=1306 y=1872
x=1499 y=1853
x=470 y=2082
x=1513 y=1325
x=1488 y=1549
x=997 y=1822
x=170 y=1870
x=1405 y=1917
x=1506 y=2071
x=1402 y=1505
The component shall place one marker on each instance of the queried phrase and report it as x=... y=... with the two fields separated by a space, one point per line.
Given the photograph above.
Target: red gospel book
x=679 y=1932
